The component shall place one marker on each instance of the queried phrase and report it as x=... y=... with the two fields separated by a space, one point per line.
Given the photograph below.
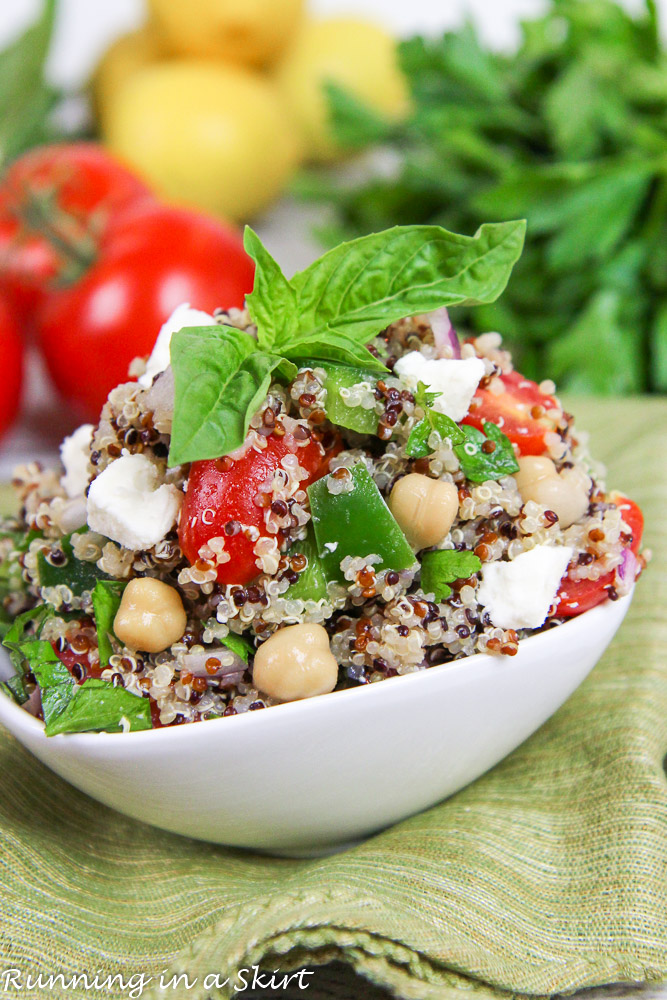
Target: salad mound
x=326 y=489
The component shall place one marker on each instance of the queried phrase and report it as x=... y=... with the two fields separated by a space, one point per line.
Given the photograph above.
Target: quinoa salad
x=324 y=490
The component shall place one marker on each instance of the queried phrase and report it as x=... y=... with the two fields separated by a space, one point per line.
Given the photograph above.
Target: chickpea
x=151 y=615
x=565 y=493
x=295 y=662
x=424 y=508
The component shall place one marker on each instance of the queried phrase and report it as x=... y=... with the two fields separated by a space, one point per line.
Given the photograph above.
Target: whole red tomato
x=55 y=202
x=11 y=366
x=151 y=259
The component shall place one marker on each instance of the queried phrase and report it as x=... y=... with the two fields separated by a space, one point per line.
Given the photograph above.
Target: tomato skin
x=11 y=366
x=225 y=489
x=85 y=188
x=634 y=519
x=577 y=596
x=151 y=260
x=511 y=411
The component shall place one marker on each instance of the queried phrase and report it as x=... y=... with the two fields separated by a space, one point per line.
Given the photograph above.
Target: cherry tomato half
x=512 y=410
x=51 y=197
x=577 y=596
x=220 y=498
x=634 y=519
x=150 y=261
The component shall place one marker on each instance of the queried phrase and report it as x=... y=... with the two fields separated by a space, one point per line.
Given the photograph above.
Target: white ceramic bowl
x=311 y=776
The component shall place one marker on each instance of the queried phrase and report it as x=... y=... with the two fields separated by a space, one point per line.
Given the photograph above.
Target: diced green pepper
x=312 y=582
x=74 y=573
x=355 y=418
x=357 y=523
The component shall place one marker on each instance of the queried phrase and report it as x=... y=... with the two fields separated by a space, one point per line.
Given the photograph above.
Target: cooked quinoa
x=380 y=621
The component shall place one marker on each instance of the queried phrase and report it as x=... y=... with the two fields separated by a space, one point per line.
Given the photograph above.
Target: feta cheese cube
x=75 y=456
x=456 y=380
x=160 y=358
x=126 y=504
x=518 y=594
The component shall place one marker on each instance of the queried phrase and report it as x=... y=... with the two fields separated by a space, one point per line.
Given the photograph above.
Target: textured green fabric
x=546 y=875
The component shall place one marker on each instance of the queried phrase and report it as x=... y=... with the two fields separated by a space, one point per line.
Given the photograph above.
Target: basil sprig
x=329 y=312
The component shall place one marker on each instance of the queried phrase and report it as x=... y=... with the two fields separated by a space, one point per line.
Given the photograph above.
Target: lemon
x=357 y=55
x=213 y=137
x=123 y=58
x=247 y=31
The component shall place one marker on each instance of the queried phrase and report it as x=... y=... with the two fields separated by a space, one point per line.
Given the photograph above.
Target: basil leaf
x=272 y=302
x=72 y=573
x=98 y=706
x=106 y=601
x=361 y=287
x=443 y=567
x=336 y=347
x=239 y=645
x=220 y=380
x=477 y=465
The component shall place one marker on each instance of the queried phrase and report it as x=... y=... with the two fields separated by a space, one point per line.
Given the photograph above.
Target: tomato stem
x=69 y=236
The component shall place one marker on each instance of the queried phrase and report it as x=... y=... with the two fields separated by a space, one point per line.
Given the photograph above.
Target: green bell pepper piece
x=357 y=523
x=312 y=582
x=355 y=418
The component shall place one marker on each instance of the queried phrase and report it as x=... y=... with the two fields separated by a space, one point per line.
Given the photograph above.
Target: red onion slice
x=230 y=670
x=444 y=333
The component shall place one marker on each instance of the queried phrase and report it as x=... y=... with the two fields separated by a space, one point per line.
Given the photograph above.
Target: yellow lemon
x=213 y=137
x=123 y=58
x=247 y=31
x=357 y=55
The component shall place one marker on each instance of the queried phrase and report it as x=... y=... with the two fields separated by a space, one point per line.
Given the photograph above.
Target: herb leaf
x=444 y=566
x=220 y=379
x=73 y=573
x=25 y=98
x=106 y=601
x=272 y=302
x=56 y=684
x=98 y=706
x=417 y=445
x=239 y=645
x=361 y=287
x=336 y=347
x=479 y=466
x=355 y=123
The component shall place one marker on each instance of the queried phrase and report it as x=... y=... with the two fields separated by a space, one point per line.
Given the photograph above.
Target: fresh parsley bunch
x=569 y=132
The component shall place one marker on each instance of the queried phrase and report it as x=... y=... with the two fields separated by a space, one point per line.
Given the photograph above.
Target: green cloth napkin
x=546 y=875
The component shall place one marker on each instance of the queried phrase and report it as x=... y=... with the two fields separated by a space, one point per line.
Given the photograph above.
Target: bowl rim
x=384 y=689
